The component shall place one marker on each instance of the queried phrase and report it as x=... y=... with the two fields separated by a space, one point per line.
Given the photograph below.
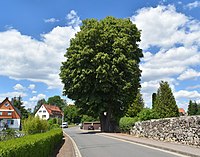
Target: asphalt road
x=91 y=144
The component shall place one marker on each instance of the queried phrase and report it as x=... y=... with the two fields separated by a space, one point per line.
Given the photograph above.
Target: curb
x=77 y=152
x=155 y=146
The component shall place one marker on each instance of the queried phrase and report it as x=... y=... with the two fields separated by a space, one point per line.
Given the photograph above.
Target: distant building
x=10 y=116
x=49 y=111
x=182 y=112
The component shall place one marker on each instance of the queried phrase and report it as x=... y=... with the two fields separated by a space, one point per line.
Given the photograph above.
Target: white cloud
x=12 y=95
x=194 y=4
x=34 y=60
x=51 y=20
x=187 y=94
x=19 y=87
x=193 y=87
x=38 y=97
x=174 y=39
x=34 y=92
x=189 y=74
x=169 y=63
x=31 y=86
x=160 y=26
x=73 y=18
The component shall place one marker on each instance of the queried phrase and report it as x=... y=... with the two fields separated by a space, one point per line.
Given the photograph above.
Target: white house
x=49 y=111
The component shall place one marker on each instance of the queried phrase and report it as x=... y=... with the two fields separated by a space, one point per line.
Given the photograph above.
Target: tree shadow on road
x=90 y=132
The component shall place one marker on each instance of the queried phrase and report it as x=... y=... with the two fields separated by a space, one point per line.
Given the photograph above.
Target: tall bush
x=33 y=125
x=126 y=123
x=147 y=114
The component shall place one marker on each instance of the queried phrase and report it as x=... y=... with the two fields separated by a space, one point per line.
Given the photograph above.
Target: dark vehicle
x=91 y=127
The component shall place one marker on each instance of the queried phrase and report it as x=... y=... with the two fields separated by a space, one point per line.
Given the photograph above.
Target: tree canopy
x=101 y=72
x=165 y=103
x=56 y=101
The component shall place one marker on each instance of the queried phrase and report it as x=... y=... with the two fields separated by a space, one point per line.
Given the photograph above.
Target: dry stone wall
x=185 y=130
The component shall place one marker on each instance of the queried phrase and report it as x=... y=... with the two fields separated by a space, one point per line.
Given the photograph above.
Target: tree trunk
x=107 y=124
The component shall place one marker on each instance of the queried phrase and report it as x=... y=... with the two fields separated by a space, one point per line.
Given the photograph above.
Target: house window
x=43 y=116
x=1 y=113
x=9 y=113
x=44 y=111
x=10 y=122
x=40 y=111
x=7 y=104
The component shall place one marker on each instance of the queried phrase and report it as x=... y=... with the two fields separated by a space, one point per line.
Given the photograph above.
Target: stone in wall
x=185 y=130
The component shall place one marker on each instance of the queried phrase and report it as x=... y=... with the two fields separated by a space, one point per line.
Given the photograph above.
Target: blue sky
x=34 y=36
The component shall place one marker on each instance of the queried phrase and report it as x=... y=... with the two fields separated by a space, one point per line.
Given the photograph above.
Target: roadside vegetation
x=37 y=138
x=36 y=145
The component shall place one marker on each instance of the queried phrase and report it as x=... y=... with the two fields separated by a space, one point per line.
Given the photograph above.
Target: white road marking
x=77 y=152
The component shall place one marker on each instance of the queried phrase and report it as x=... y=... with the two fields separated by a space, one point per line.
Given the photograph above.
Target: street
x=92 y=144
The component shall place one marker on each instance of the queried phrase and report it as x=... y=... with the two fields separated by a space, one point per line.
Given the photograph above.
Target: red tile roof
x=181 y=110
x=53 y=109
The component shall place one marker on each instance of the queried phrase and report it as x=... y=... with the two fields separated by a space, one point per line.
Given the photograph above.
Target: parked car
x=91 y=127
x=81 y=125
x=64 y=125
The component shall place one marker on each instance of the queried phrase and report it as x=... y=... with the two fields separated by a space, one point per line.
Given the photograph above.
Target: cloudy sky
x=34 y=36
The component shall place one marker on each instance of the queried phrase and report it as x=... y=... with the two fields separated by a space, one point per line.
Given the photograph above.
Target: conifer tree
x=136 y=106
x=165 y=104
x=153 y=99
x=192 y=108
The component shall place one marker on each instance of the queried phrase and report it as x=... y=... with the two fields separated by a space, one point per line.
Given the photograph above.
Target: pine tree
x=192 y=108
x=165 y=104
x=136 y=106
x=17 y=102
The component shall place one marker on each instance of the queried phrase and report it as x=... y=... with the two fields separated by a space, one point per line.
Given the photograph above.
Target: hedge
x=37 y=145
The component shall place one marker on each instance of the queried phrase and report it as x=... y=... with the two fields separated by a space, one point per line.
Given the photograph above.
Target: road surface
x=91 y=144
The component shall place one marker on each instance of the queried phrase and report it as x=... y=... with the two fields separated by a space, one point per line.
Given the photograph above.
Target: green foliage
x=17 y=102
x=198 y=107
x=54 y=123
x=126 y=123
x=153 y=99
x=7 y=134
x=86 y=118
x=192 y=108
x=53 y=126
x=102 y=72
x=33 y=125
x=72 y=114
x=136 y=106
x=56 y=101
x=38 y=145
x=147 y=114
x=165 y=104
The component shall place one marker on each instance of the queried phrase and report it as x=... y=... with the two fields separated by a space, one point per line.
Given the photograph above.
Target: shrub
x=7 y=134
x=37 y=145
x=53 y=126
x=126 y=123
x=147 y=114
x=33 y=125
